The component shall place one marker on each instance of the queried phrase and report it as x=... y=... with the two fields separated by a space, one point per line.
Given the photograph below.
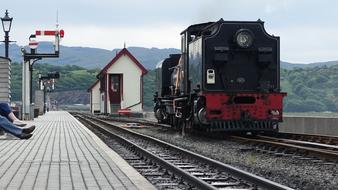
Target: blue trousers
x=5 y=110
x=9 y=127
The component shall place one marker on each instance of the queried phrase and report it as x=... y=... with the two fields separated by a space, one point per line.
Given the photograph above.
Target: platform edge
x=139 y=181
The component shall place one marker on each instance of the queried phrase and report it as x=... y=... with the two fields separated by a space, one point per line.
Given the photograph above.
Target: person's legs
x=23 y=133
x=6 y=111
x=9 y=127
x=15 y=120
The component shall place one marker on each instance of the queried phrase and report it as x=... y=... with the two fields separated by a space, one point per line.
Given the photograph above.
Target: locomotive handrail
x=179 y=99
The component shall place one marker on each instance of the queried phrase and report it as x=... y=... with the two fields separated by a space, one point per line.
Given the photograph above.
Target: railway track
x=133 y=120
x=291 y=147
x=323 y=139
x=305 y=143
x=297 y=145
x=169 y=166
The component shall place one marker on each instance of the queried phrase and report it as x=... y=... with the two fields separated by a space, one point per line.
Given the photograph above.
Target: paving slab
x=64 y=154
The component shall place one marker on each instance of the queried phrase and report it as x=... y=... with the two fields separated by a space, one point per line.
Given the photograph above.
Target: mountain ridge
x=90 y=58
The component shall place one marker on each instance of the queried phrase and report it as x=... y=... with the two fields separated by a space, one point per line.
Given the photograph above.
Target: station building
x=119 y=85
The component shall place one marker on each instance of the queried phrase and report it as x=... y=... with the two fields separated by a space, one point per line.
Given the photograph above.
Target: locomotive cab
x=164 y=88
x=164 y=70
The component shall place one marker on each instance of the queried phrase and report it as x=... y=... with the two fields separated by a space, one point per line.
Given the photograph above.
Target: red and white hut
x=119 y=85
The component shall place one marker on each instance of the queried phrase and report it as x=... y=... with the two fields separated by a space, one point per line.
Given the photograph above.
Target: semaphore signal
x=61 y=33
x=29 y=59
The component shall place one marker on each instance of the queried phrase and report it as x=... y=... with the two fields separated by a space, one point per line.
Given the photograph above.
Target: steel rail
x=185 y=175
x=311 y=137
x=312 y=151
x=301 y=142
x=246 y=176
x=134 y=120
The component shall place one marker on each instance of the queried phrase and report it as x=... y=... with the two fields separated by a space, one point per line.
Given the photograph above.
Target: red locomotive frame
x=222 y=106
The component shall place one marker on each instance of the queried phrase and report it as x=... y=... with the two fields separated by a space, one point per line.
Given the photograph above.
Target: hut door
x=115 y=89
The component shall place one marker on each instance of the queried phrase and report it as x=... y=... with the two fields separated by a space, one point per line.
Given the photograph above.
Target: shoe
x=28 y=130
x=19 y=123
x=25 y=136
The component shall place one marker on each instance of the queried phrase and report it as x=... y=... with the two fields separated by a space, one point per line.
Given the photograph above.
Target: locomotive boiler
x=227 y=78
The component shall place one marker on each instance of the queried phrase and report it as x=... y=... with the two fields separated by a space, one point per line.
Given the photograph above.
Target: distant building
x=95 y=98
x=119 y=85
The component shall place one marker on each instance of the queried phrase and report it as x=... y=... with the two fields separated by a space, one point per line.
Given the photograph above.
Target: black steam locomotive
x=225 y=79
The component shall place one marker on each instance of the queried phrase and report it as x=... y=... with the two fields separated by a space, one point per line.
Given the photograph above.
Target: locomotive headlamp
x=244 y=38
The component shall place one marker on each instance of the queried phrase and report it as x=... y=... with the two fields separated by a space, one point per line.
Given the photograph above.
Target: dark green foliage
x=16 y=81
x=313 y=105
x=293 y=105
x=71 y=78
x=310 y=89
x=335 y=92
x=330 y=105
x=149 y=89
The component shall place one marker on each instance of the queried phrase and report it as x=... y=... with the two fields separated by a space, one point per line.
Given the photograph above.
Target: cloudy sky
x=308 y=28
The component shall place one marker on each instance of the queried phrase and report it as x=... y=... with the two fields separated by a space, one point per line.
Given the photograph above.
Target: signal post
x=27 y=68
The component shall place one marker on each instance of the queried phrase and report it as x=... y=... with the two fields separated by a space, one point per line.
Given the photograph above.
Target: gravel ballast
x=293 y=172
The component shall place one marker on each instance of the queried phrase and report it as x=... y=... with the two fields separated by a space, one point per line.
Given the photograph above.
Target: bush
x=330 y=105
x=314 y=105
x=293 y=105
x=335 y=92
x=298 y=105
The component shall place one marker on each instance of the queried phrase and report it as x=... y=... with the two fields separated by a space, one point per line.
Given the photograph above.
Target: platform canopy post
x=26 y=90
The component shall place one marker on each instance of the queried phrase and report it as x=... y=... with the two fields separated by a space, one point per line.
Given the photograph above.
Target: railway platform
x=64 y=154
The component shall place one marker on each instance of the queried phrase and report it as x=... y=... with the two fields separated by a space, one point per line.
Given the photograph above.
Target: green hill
x=72 y=79
x=92 y=57
x=309 y=89
x=88 y=57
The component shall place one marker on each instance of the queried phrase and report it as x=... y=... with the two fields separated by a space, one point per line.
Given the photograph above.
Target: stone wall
x=310 y=125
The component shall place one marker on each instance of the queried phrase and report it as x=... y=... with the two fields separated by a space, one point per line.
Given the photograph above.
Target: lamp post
x=6 y=26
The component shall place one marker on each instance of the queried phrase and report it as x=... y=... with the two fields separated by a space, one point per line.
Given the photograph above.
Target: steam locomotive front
x=234 y=68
